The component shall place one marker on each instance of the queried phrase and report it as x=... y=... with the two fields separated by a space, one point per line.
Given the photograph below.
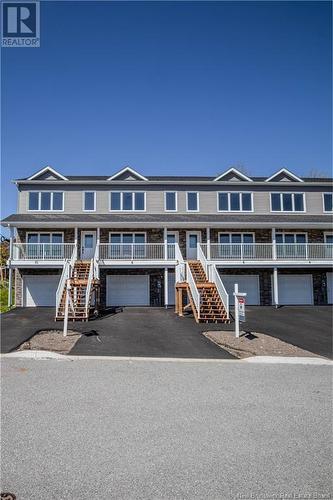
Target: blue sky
x=169 y=88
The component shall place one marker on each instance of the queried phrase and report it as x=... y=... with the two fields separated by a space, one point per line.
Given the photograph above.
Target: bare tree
x=316 y=173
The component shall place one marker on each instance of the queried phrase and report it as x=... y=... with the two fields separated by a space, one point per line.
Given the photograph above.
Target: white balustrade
x=42 y=251
x=265 y=251
x=136 y=251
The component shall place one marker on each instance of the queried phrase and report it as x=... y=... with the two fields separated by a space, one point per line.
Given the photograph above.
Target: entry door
x=88 y=244
x=172 y=237
x=192 y=240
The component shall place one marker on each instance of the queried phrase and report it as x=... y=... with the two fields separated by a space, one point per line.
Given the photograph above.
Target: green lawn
x=4 y=297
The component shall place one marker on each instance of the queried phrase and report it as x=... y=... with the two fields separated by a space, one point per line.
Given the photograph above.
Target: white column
x=98 y=240
x=274 y=243
x=208 y=243
x=166 y=288
x=10 y=285
x=275 y=287
x=11 y=230
x=76 y=241
x=165 y=237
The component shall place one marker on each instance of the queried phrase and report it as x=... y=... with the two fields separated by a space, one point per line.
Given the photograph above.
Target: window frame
x=294 y=233
x=323 y=199
x=83 y=201
x=127 y=232
x=176 y=201
x=229 y=202
x=39 y=209
x=44 y=232
x=281 y=193
x=327 y=233
x=198 y=201
x=236 y=232
x=133 y=200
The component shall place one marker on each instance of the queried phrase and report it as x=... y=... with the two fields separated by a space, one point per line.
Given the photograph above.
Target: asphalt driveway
x=156 y=332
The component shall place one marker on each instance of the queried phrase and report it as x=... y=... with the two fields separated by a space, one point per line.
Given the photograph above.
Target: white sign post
x=239 y=308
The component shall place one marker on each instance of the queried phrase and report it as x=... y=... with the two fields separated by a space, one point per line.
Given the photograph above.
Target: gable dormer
x=284 y=175
x=233 y=175
x=127 y=174
x=47 y=174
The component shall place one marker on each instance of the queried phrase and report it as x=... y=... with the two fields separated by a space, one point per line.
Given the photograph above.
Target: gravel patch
x=51 y=340
x=255 y=344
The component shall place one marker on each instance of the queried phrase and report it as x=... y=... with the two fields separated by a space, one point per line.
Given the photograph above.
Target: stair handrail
x=62 y=283
x=180 y=267
x=215 y=278
x=193 y=288
x=73 y=259
x=202 y=259
x=89 y=283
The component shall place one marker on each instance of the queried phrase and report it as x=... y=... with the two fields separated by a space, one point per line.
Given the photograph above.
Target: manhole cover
x=7 y=496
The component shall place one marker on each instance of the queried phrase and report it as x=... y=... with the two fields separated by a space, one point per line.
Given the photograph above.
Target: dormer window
x=46 y=201
x=287 y=202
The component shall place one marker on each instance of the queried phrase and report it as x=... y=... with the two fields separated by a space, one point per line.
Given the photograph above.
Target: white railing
x=268 y=251
x=42 y=251
x=180 y=267
x=136 y=251
x=214 y=277
x=194 y=291
x=89 y=283
x=62 y=283
x=202 y=259
x=304 y=251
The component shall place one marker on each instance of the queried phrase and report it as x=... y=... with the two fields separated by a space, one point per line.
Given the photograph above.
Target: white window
x=127 y=201
x=291 y=245
x=45 y=245
x=227 y=238
x=89 y=201
x=170 y=201
x=234 y=202
x=328 y=202
x=127 y=245
x=192 y=199
x=329 y=238
x=287 y=202
x=46 y=201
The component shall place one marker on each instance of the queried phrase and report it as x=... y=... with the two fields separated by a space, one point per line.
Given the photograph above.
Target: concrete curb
x=47 y=355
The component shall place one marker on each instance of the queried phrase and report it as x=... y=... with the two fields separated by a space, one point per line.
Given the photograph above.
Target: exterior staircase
x=212 y=309
x=84 y=293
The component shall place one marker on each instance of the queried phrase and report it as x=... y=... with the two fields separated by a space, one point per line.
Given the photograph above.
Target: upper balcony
x=268 y=253
x=55 y=254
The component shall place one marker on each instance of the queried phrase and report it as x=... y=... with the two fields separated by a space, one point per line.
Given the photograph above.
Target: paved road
x=165 y=430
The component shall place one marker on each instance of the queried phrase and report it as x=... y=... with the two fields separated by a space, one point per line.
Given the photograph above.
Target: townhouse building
x=134 y=237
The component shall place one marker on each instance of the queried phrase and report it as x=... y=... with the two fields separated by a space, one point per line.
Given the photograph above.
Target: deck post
x=166 y=288
x=208 y=242
x=275 y=287
x=98 y=240
x=165 y=237
x=76 y=242
x=274 y=243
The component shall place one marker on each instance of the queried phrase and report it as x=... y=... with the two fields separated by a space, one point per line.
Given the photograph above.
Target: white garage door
x=171 y=289
x=127 y=290
x=246 y=283
x=40 y=290
x=330 y=288
x=295 y=289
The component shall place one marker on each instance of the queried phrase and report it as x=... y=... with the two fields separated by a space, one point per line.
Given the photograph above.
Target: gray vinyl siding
x=155 y=197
